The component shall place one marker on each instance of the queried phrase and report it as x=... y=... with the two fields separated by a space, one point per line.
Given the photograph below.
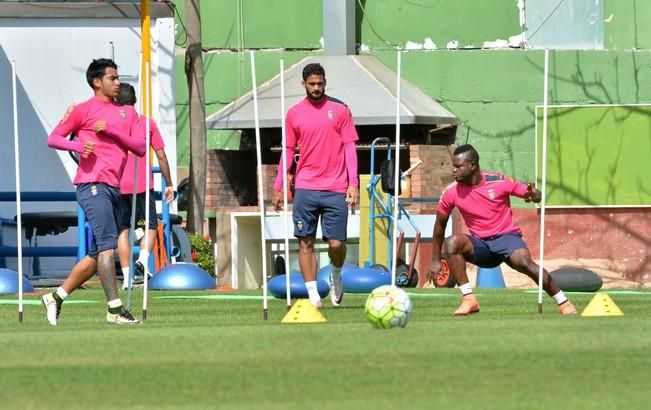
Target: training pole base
x=20 y=317
x=540 y=310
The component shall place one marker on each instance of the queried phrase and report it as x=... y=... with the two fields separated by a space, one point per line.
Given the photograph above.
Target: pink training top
x=156 y=143
x=107 y=160
x=321 y=130
x=485 y=207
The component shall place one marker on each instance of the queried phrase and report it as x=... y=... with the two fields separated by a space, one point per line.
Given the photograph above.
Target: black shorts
x=331 y=207
x=490 y=252
x=101 y=203
x=125 y=220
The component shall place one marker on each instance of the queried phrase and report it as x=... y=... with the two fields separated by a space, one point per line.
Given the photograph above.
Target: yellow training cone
x=303 y=312
x=602 y=305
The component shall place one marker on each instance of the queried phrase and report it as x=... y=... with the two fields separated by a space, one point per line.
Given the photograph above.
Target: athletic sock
x=465 y=289
x=312 y=291
x=560 y=297
x=60 y=294
x=115 y=306
x=335 y=273
x=125 y=274
x=142 y=258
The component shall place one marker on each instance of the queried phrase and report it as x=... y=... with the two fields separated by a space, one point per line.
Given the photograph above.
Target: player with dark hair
x=483 y=199
x=127 y=97
x=326 y=182
x=105 y=133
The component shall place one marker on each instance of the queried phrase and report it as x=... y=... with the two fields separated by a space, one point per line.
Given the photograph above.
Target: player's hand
x=352 y=195
x=277 y=200
x=434 y=270
x=100 y=126
x=89 y=147
x=532 y=194
x=168 y=195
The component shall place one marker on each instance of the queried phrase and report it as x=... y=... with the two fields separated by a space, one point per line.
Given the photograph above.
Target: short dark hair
x=127 y=95
x=97 y=69
x=313 y=69
x=473 y=155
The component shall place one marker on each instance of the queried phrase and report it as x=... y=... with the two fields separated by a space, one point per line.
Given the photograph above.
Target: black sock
x=57 y=298
x=115 y=310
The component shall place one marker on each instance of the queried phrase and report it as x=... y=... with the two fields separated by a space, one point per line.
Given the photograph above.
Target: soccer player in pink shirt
x=127 y=97
x=105 y=133
x=326 y=181
x=483 y=199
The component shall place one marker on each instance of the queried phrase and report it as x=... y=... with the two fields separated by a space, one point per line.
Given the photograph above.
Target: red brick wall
x=620 y=234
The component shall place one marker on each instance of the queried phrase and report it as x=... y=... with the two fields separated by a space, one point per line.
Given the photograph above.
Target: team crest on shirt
x=123 y=114
x=331 y=115
x=67 y=113
x=491 y=194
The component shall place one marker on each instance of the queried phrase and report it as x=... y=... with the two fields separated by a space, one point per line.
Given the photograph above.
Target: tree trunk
x=197 y=101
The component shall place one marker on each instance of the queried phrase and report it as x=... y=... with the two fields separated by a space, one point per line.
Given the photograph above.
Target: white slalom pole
x=134 y=196
x=263 y=241
x=543 y=187
x=19 y=219
x=396 y=187
x=285 y=185
x=147 y=172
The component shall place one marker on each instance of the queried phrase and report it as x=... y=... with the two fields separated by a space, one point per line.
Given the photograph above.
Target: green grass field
x=217 y=352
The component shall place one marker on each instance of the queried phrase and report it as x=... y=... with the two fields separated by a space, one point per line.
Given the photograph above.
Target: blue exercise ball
x=9 y=282
x=356 y=279
x=182 y=276
x=277 y=286
x=364 y=280
x=324 y=273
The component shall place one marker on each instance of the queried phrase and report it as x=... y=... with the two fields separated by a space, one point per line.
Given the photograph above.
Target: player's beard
x=313 y=97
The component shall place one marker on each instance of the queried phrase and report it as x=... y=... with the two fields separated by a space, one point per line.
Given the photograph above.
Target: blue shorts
x=101 y=203
x=490 y=252
x=125 y=214
x=330 y=206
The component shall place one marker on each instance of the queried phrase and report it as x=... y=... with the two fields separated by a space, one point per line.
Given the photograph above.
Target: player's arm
x=290 y=144
x=438 y=236
x=135 y=143
x=164 y=165
x=350 y=157
x=58 y=138
x=278 y=197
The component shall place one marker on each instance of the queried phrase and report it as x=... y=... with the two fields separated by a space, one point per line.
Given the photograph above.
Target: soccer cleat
x=52 y=308
x=336 y=291
x=468 y=305
x=122 y=318
x=139 y=268
x=567 y=308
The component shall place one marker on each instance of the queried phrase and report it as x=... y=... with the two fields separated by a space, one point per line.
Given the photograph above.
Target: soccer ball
x=387 y=307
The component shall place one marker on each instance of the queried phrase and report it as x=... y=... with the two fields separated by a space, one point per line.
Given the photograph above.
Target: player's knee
x=453 y=245
x=336 y=246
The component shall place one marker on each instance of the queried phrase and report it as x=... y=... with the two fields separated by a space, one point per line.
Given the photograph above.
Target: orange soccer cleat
x=468 y=305
x=567 y=308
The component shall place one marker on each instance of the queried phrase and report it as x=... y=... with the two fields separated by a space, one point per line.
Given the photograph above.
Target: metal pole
x=265 y=302
x=285 y=185
x=396 y=187
x=19 y=219
x=544 y=185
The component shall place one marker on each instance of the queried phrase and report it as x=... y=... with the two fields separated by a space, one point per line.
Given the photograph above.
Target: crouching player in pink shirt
x=326 y=178
x=105 y=133
x=484 y=202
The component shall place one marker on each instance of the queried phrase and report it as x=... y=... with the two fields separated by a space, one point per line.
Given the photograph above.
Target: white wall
x=51 y=58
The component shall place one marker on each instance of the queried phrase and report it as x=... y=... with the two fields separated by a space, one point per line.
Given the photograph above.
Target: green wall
x=493 y=92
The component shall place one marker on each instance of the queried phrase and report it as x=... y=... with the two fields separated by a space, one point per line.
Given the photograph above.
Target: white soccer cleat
x=122 y=318
x=336 y=291
x=52 y=308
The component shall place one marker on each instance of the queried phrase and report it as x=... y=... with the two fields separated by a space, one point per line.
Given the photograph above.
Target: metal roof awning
x=365 y=84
